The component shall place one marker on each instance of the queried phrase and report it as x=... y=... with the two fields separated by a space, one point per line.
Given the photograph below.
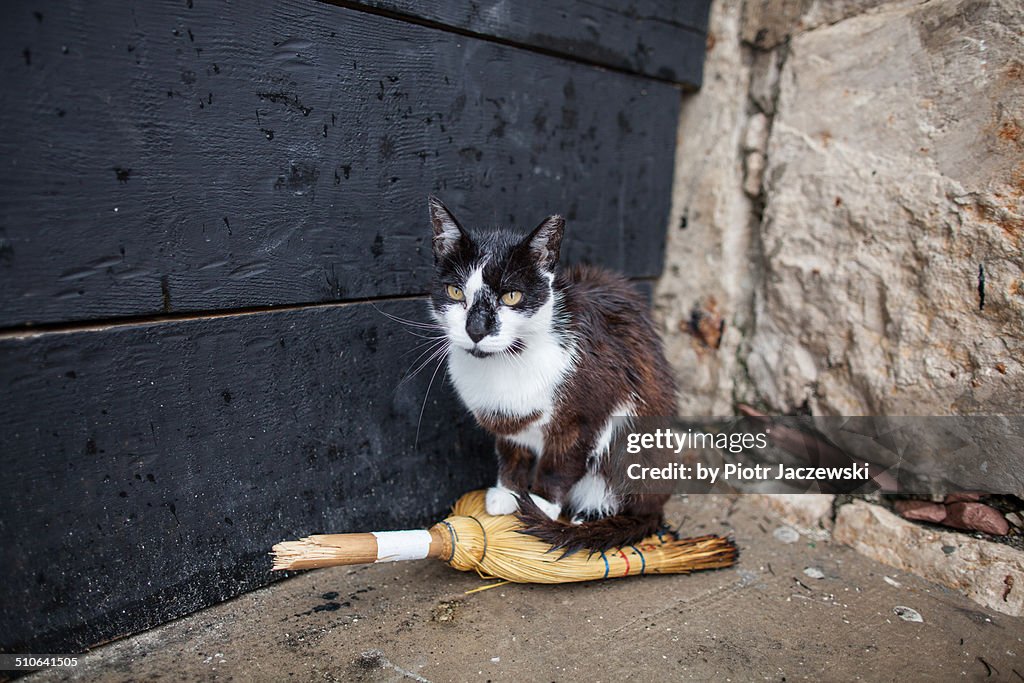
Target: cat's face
x=492 y=291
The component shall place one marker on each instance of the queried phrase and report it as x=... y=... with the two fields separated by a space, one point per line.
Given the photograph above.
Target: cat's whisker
x=441 y=349
x=425 y=327
x=430 y=342
x=441 y=352
x=409 y=374
x=418 y=325
x=429 y=353
x=419 y=422
x=425 y=336
x=423 y=324
x=432 y=352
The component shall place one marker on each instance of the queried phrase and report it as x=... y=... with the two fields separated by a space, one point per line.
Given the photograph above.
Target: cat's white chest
x=513 y=385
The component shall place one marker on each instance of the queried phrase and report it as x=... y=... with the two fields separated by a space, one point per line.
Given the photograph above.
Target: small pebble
x=747 y=577
x=892 y=582
x=786 y=534
x=814 y=573
x=495 y=659
x=908 y=614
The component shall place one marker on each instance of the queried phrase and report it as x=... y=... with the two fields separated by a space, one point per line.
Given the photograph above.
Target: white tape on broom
x=393 y=546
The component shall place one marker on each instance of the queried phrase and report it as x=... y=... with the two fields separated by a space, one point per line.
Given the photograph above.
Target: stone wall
x=847 y=233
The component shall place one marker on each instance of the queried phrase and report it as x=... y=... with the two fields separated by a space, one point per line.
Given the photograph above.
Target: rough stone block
x=710 y=230
x=893 y=231
x=768 y=23
x=805 y=510
x=989 y=573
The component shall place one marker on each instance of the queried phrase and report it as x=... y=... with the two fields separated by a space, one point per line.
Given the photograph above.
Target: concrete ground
x=766 y=619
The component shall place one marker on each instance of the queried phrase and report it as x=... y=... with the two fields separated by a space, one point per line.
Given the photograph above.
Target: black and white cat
x=545 y=360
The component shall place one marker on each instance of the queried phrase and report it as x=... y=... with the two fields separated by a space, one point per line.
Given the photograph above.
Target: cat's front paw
x=552 y=510
x=500 y=501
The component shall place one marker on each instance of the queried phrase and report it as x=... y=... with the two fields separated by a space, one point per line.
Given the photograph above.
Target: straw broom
x=472 y=540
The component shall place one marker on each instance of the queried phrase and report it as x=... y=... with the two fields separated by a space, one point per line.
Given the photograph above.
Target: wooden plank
x=168 y=158
x=149 y=468
x=662 y=39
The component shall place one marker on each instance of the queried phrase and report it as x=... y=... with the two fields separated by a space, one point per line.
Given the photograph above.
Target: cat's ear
x=545 y=242
x=447 y=231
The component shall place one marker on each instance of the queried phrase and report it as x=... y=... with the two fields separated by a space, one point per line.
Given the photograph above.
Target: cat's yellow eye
x=455 y=293
x=511 y=298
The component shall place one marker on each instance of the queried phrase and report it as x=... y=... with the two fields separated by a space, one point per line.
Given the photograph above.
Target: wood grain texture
x=149 y=468
x=166 y=158
x=663 y=39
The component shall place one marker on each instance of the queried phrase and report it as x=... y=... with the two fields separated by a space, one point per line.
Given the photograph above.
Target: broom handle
x=328 y=550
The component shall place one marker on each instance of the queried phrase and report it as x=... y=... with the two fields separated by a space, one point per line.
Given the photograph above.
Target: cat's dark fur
x=546 y=376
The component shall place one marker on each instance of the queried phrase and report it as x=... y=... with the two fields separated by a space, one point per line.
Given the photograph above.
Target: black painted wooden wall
x=210 y=209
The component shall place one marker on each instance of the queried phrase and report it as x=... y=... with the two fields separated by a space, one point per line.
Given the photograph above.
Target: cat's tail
x=594 y=536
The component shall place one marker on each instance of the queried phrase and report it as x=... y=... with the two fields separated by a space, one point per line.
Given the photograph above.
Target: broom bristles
x=494 y=547
x=305 y=553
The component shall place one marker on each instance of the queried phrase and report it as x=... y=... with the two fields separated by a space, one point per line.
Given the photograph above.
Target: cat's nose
x=480 y=321
x=476 y=328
